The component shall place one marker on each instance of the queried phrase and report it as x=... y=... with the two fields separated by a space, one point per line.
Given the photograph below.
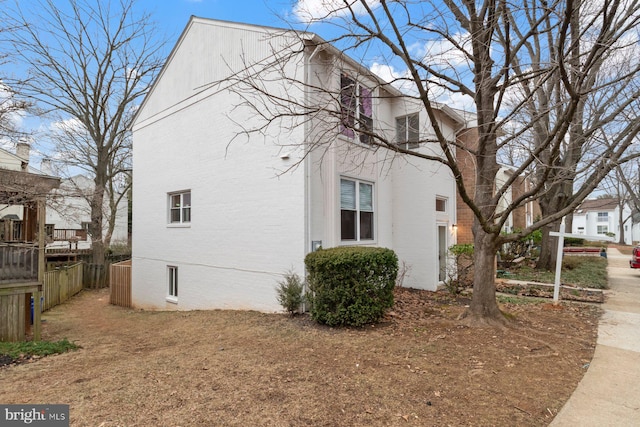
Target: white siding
x=247 y=226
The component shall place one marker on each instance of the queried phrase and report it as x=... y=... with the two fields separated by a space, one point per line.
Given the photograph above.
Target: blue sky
x=172 y=15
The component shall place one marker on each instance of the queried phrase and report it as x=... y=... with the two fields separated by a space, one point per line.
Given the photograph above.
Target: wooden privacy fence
x=120 y=283
x=61 y=284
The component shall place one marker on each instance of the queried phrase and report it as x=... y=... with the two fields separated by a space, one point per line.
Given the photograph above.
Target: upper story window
x=603 y=216
x=356 y=109
x=408 y=131
x=180 y=207
x=441 y=205
x=356 y=210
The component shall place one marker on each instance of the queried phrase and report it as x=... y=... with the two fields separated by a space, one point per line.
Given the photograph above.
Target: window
x=180 y=207
x=173 y=283
x=441 y=205
x=408 y=131
x=356 y=210
x=603 y=229
x=603 y=216
x=356 y=109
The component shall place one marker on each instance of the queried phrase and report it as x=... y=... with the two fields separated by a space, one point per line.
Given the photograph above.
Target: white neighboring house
x=602 y=216
x=69 y=211
x=217 y=221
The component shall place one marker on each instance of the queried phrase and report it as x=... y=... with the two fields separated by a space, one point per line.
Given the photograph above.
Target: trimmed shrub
x=350 y=286
x=290 y=292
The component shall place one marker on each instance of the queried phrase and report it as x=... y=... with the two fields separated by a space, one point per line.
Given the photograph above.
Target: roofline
x=305 y=36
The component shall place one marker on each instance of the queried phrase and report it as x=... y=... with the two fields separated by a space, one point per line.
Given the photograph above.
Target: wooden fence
x=120 y=283
x=61 y=284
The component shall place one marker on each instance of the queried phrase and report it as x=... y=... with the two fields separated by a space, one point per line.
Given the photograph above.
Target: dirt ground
x=420 y=367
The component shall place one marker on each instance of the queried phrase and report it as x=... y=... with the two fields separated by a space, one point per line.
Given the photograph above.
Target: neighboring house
x=15 y=218
x=519 y=219
x=217 y=221
x=23 y=191
x=70 y=213
x=603 y=216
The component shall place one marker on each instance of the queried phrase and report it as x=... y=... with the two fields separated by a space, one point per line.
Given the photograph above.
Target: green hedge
x=350 y=285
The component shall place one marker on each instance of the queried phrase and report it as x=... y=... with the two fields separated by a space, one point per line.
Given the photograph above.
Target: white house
x=68 y=209
x=602 y=216
x=217 y=219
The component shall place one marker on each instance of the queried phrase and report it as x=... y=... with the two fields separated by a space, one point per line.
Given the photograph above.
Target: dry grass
x=420 y=367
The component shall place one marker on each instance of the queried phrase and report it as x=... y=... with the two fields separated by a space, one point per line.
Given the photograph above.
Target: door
x=442 y=252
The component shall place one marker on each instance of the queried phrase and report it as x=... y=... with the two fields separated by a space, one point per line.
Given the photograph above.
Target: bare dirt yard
x=420 y=367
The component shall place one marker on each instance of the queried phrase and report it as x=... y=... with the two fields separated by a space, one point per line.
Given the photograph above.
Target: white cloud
x=402 y=81
x=310 y=11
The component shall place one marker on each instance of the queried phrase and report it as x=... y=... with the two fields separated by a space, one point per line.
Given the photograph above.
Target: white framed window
x=172 y=283
x=603 y=229
x=356 y=109
x=441 y=204
x=603 y=216
x=180 y=207
x=356 y=210
x=408 y=131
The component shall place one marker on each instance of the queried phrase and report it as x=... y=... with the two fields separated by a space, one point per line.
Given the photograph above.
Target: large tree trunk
x=97 y=214
x=484 y=307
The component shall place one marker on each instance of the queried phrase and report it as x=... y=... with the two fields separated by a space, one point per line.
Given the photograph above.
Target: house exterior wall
x=247 y=219
x=587 y=222
x=466 y=164
x=258 y=204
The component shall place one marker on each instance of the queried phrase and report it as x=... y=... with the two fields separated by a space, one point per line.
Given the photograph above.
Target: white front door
x=442 y=252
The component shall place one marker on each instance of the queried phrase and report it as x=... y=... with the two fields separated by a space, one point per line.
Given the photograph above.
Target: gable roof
x=604 y=204
x=310 y=39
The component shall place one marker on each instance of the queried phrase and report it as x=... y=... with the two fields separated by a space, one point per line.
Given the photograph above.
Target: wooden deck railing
x=65 y=234
x=18 y=262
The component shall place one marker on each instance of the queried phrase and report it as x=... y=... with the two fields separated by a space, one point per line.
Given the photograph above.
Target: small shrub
x=291 y=292
x=351 y=286
x=460 y=273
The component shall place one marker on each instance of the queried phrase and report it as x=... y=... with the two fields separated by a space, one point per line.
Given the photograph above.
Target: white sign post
x=561 y=235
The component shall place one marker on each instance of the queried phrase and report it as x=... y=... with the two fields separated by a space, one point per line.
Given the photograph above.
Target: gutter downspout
x=307 y=160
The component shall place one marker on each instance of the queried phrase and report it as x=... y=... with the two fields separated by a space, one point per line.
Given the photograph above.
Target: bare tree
x=87 y=66
x=601 y=83
x=485 y=51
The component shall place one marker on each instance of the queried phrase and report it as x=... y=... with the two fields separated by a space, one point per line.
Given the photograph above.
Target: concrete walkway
x=609 y=393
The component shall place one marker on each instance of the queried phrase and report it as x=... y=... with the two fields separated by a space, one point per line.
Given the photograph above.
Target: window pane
x=401 y=130
x=366 y=225
x=441 y=205
x=414 y=126
x=366 y=106
x=186 y=214
x=175 y=215
x=347 y=105
x=175 y=201
x=366 y=197
x=186 y=199
x=348 y=225
x=347 y=194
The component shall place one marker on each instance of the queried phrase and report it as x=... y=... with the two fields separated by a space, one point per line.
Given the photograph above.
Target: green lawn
x=584 y=271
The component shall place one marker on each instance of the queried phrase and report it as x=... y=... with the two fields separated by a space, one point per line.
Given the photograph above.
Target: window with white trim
x=356 y=109
x=408 y=131
x=172 y=279
x=356 y=210
x=603 y=229
x=603 y=216
x=441 y=205
x=180 y=207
